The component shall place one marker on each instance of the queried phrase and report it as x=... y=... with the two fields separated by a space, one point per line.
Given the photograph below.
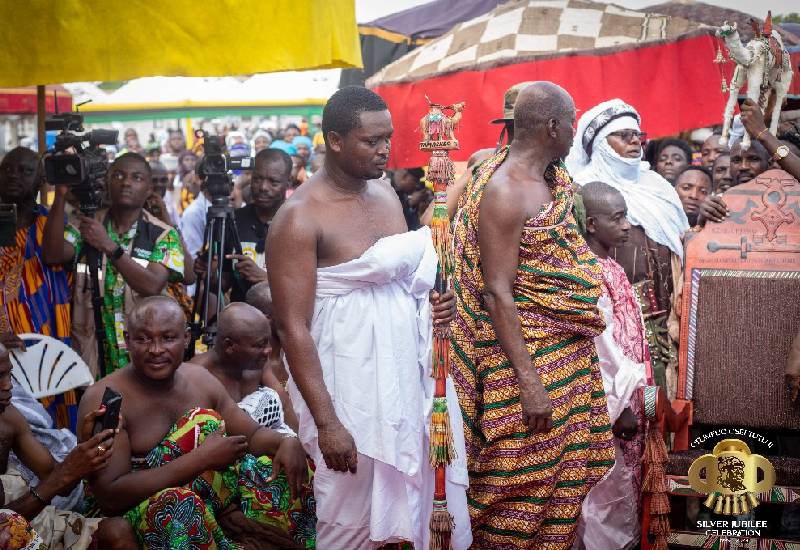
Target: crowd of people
x=304 y=423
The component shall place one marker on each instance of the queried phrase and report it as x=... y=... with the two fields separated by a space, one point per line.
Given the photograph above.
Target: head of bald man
x=243 y=337
x=606 y=216
x=260 y=297
x=156 y=337
x=544 y=118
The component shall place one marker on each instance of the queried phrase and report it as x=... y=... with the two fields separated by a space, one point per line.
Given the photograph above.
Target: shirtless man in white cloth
x=352 y=295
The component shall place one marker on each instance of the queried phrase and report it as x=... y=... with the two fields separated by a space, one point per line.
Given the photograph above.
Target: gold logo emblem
x=730 y=477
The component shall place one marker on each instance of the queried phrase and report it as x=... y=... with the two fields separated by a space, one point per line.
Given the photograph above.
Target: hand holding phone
x=110 y=419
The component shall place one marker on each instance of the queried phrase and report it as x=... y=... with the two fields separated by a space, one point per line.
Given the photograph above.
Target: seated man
x=239 y=361
x=171 y=494
x=24 y=503
x=140 y=254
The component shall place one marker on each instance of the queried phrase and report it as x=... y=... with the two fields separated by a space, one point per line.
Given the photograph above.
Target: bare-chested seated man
x=239 y=361
x=351 y=288
x=56 y=478
x=187 y=453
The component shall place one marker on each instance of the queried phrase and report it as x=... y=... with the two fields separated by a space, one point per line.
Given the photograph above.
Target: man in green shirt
x=140 y=254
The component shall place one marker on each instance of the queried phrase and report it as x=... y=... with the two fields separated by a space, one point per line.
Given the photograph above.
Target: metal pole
x=41 y=114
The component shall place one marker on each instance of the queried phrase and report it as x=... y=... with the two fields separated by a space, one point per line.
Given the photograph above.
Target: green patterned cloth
x=186 y=517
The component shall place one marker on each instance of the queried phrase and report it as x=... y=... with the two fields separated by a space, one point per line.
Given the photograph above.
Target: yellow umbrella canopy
x=47 y=42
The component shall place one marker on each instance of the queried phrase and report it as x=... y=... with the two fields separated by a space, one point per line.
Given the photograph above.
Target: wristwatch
x=780 y=153
x=116 y=254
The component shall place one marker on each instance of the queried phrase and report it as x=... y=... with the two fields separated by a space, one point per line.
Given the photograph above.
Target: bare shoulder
x=195 y=373
x=503 y=196
x=383 y=185
x=383 y=189
x=12 y=420
x=201 y=359
x=200 y=378
x=297 y=216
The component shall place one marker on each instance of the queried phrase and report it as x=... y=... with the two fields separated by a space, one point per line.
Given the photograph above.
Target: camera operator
x=140 y=253
x=35 y=296
x=270 y=180
x=271 y=174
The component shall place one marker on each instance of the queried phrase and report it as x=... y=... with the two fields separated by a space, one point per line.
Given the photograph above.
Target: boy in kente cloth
x=610 y=513
x=189 y=457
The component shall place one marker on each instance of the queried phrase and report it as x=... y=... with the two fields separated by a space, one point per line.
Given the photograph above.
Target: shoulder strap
x=149 y=231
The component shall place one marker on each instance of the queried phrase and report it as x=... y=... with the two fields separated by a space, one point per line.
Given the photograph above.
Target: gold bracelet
x=758 y=137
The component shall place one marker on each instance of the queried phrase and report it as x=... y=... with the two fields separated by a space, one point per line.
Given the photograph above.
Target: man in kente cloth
x=188 y=458
x=351 y=289
x=536 y=424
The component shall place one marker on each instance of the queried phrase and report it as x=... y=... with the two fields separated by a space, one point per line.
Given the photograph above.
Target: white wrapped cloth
x=372 y=330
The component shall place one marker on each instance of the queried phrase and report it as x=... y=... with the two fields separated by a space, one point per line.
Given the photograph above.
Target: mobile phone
x=8 y=224
x=110 y=419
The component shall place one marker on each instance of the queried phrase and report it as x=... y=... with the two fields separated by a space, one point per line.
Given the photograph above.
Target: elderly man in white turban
x=608 y=148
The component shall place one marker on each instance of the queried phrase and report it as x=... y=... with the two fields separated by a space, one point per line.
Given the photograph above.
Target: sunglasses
x=161 y=179
x=628 y=135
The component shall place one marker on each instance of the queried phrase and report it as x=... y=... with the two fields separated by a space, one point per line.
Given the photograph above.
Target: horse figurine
x=436 y=125
x=764 y=64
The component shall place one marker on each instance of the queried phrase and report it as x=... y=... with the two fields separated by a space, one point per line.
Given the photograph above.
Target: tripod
x=92 y=256
x=220 y=239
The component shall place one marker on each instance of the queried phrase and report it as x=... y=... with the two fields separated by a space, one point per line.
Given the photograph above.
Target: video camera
x=216 y=166
x=85 y=170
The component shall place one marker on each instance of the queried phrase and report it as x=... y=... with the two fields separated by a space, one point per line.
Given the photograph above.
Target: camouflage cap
x=509 y=100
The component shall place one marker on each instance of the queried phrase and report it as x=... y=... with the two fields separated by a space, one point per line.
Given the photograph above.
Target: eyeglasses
x=628 y=135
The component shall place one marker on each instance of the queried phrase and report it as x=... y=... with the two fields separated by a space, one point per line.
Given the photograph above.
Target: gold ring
x=100 y=450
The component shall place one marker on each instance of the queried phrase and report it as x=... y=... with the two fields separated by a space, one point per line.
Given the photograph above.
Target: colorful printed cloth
x=186 y=517
x=35 y=299
x=628 y=324
x=526 y=490
x=18 y=533
x=166 y=251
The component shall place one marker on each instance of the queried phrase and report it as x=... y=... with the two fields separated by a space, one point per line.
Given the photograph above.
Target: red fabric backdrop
x=674 y=85
x=23 y=101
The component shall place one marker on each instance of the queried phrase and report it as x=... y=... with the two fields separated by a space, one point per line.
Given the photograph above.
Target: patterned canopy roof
x=521 y=30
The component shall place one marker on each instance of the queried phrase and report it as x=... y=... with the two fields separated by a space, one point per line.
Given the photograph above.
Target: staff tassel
x=441 y=173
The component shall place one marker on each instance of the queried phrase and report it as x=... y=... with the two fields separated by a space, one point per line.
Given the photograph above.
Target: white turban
x=652 y=202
